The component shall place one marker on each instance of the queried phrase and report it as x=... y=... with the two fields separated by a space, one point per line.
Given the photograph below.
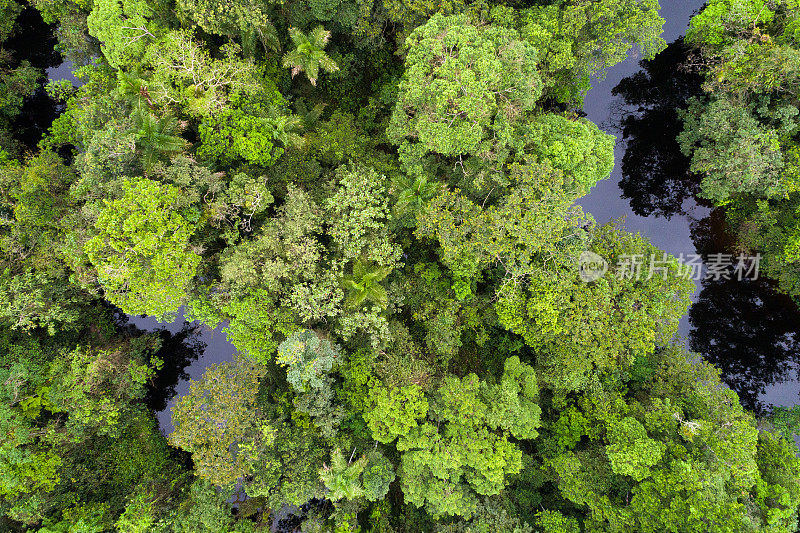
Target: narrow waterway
x=747 y=329
x=605 y=201
x=209 y=347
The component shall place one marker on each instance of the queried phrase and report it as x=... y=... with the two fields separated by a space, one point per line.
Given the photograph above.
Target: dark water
x=34 y=42
x=745 y=328
x=207 y=347
x=63 y=71
x=605 y=201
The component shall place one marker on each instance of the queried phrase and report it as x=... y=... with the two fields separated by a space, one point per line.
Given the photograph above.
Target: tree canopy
x=375 y=204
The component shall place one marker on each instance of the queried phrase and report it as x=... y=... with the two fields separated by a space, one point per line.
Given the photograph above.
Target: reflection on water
x=745 y=328
x=750 y=332
x=178 y=351
x=604 y=201
x=188 y=349
x=181 y=345
x=34 y=42
x=38 y=113
x=655 y=175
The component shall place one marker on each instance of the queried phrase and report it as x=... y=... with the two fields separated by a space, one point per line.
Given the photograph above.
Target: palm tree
x=266 y=34
x=310 y=116
x=287 y=130
x=157 y=137
x=342 y=478
x=308 y=55
x=413 y=194
x=364 y=285
x=133 y=89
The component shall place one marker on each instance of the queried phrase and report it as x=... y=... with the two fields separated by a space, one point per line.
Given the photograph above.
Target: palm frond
x=360 y=269
x=268 y=36
x=312 y=71
x=328 y=64
x=311 y=117
x=377 y=294
x=297 y=36
x=293 y=58
x=352 y=285
x=319 y=36
x=156 y=137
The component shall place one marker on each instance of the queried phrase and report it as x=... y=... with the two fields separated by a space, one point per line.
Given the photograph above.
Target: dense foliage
x=376 y=202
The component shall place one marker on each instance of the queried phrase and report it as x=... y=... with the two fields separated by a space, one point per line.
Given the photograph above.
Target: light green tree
x=748 y=46
x=249 y=129
x=284 y=262
x=630 y=451
x=141 y=249
x=573 y=145
x=359 y=214
x=690 y=457
x=31 y=300
x=579 y=40
x=463 y=451
x=463 y=89
x=535 y=218
x=566 y=318
x=257 y=325
x=35 y=199
x=394 y=412
x=377 y=476
x=125 y=29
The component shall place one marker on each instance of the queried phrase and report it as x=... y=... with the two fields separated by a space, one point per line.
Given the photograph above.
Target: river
x=744 y=327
